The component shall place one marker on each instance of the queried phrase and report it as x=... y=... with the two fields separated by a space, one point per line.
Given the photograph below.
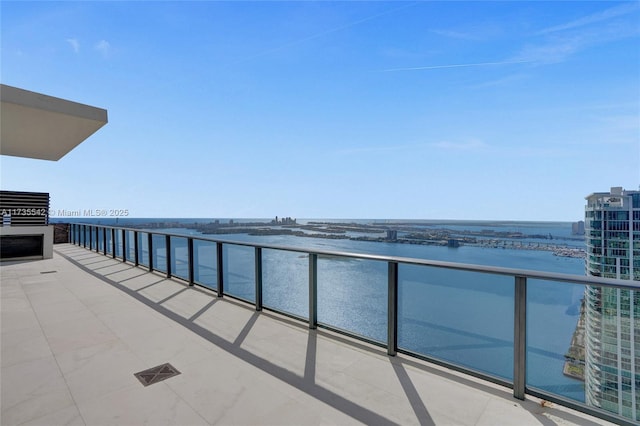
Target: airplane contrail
x=436 y=67
x=324 y=33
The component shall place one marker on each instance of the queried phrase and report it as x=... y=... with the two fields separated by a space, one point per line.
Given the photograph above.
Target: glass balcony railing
x=205 y=267
x=508 y=326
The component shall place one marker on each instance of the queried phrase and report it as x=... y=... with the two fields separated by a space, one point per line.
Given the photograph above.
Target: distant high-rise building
x=577 y=228
x=612 y=317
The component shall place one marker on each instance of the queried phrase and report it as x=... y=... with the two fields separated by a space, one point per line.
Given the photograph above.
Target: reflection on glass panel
x=285 y=281
x=92 y=237
x=239 y=271
x=88 y=236
x=180 y=257
x=555 y=355
x=205 y=268
x=143 y=248
x=612 y=354
x=129 y=243
x=159 y=253
x=465 y=318
x=108 y=242
x=352 y=295
x=99 y=236
x=118 y=238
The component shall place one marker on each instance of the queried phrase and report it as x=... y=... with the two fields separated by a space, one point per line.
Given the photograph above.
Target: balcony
x=77 y=327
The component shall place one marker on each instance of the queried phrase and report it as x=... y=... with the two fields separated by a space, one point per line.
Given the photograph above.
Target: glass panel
x=88 y=236
x=159 y=253
x=205 y=263
x=285 y=281
x=352 y=295
x=143 y=248
x=239 y=271
x=130 y=244
x=465 y=318
x=118 y=237
x=99 y=239
x=92 y=238
x=108 y=242
x=555 y=355
x=180 y=257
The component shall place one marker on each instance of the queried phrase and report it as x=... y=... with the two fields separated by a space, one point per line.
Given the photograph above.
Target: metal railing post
x=167 y=240
x=191 y=261
x=392 y=310
x=150 y=244
x=220 y=272
x=84 y=236
x=258 y=276
x=104 y=241
x=97 y=239
x=520 y=338
x=136 y=256
x=113 y=243
x=124 y=245
x=313 y=290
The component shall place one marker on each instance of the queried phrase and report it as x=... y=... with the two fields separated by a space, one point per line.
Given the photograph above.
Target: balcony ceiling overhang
x=34 y=125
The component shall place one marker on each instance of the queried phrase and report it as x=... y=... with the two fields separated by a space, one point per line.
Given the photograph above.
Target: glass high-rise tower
x=612 y=320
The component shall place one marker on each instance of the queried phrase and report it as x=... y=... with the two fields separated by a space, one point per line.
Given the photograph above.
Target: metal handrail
x=496 y=270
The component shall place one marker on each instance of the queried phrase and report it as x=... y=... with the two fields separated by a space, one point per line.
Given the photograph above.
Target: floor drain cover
x=156 y=374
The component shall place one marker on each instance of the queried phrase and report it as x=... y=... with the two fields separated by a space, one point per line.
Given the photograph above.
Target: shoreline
x=388 y=234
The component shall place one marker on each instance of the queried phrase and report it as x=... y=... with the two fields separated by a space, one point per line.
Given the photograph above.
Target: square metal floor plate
x=156 y=374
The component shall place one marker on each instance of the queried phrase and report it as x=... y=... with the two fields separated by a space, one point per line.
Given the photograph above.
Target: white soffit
x=34 y=125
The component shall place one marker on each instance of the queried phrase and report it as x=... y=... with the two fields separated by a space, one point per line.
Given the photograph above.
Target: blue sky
x=408 y=110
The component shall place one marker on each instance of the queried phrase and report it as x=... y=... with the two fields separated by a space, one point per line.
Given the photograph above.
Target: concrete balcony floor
x=77 y=327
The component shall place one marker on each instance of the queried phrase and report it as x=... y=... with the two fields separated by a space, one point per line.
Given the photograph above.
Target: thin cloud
x=622 y=123
x=481 y=31
x=472 y=145
x=550 y=53
x=560 y=48
x=103 y=47
x=593 y=18
x=75 y=44
x=436 y=67
x=562 y=41
x=379 y=149
x=456 y=34
x=539 y=152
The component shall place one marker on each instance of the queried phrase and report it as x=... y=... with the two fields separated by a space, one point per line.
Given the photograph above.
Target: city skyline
x=399 y=110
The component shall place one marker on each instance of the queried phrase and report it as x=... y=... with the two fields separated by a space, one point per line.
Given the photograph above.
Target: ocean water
x=461 y=317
